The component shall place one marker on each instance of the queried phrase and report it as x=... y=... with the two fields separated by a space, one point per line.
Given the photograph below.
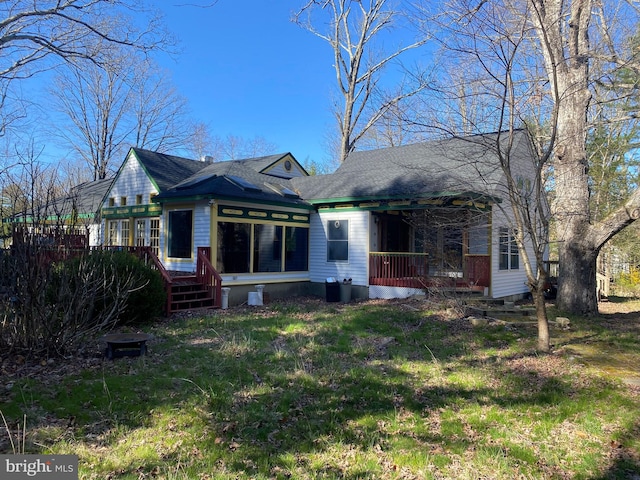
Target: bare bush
x=49 y=306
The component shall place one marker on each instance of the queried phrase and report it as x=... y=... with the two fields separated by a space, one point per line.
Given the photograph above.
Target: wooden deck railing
x=208 y=276
x=398 y=269
x=412 y=270
x=147 y=255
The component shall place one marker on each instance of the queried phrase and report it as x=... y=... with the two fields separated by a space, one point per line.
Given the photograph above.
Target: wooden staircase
x=187 y=293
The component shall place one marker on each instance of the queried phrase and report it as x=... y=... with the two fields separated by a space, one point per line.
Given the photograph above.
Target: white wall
x=357 y=267
x=132 y=180
x=505 y=283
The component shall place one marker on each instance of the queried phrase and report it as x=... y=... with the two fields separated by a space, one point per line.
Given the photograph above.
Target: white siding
x=505 y=283
x=357 y=268
x=132 y=180
x=279 y=169
x=201 y=235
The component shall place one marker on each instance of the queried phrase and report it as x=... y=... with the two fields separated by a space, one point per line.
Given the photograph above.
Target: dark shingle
x=167 y=170
x=454 y=165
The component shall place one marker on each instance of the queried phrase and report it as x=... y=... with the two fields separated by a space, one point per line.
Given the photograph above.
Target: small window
x=138 y=199
x=112 y=202
x=123 y=201
x=338 y=241
x=509 y=255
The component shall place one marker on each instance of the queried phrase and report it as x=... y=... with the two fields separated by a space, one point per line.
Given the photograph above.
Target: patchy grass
x=374 y=390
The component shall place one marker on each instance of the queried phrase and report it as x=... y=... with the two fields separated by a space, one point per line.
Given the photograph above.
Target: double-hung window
x=338 y=241
x=509 y=255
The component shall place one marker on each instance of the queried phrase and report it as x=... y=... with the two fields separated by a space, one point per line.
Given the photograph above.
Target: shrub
x=144 y=295
x=50 y=307
x=628 y=283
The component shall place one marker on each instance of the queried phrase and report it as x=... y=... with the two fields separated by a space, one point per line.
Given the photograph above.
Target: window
x=112 y=202
x=154 y=235
x=141 y=227
x=123 y=201
x=180 y=233
x=234 y=247
x=124 y=233
x=261 y=248
x=509 y=256
x=113 y=233
x=267 y=248
x=296 y=249
x=338 y=241
x=138 y=199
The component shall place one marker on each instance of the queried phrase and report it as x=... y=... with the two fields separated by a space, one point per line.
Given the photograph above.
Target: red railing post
x=208 y=276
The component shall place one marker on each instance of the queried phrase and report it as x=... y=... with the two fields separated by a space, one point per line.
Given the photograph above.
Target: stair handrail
x=208 y=276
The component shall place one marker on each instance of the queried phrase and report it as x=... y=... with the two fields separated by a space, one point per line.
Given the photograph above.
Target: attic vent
x=243 y=184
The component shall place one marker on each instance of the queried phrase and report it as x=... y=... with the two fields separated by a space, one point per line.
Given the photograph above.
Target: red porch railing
x=208 y=276
x=412 y=270
x=398 y=269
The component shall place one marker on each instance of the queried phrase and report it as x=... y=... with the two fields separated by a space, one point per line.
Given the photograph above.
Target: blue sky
x=247 y=70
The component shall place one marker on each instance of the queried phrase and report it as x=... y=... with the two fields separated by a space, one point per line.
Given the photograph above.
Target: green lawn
x=310 y=390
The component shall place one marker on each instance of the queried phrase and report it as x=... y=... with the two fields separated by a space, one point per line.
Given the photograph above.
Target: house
x=73 y=219
x=395 y=221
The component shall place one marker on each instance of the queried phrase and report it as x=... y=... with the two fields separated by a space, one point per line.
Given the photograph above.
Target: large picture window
x=180 y=233
x=267 y=248
x=338 y=240
x=261 y=248
x=234 y=247
x=509 y=255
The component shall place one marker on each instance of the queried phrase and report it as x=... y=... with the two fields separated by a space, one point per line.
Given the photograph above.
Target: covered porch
x=432 y=248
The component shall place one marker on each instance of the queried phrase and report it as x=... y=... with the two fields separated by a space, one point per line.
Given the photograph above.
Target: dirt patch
x=621 y=318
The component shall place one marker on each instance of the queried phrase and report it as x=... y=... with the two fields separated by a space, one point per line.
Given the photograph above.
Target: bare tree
x=121 y=103
x=486 y=86
x=567 y=48
x=233 y=147
x=32 y=33
x=354 y=26
x=573 y=37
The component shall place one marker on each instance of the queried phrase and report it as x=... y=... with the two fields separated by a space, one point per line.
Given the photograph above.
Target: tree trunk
x=543 y=322
x=577 y=282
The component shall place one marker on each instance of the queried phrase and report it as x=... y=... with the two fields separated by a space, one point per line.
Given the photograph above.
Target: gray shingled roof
x=88 y=196
x=260 y=164
x=455 y=166
x=167 y=170
x=221 y=180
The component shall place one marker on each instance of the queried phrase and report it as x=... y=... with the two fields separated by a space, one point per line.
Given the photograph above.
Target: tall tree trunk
x=565 y=46
x=543 y=322
x=577 y=280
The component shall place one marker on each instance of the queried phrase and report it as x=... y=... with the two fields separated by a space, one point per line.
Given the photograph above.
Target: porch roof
x=464 y=167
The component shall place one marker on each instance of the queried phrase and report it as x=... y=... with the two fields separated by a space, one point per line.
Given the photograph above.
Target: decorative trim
x=152 y=210
x=257 y=213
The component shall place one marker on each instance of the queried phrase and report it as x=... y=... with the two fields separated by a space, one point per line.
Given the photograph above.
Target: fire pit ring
x=126 y=344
